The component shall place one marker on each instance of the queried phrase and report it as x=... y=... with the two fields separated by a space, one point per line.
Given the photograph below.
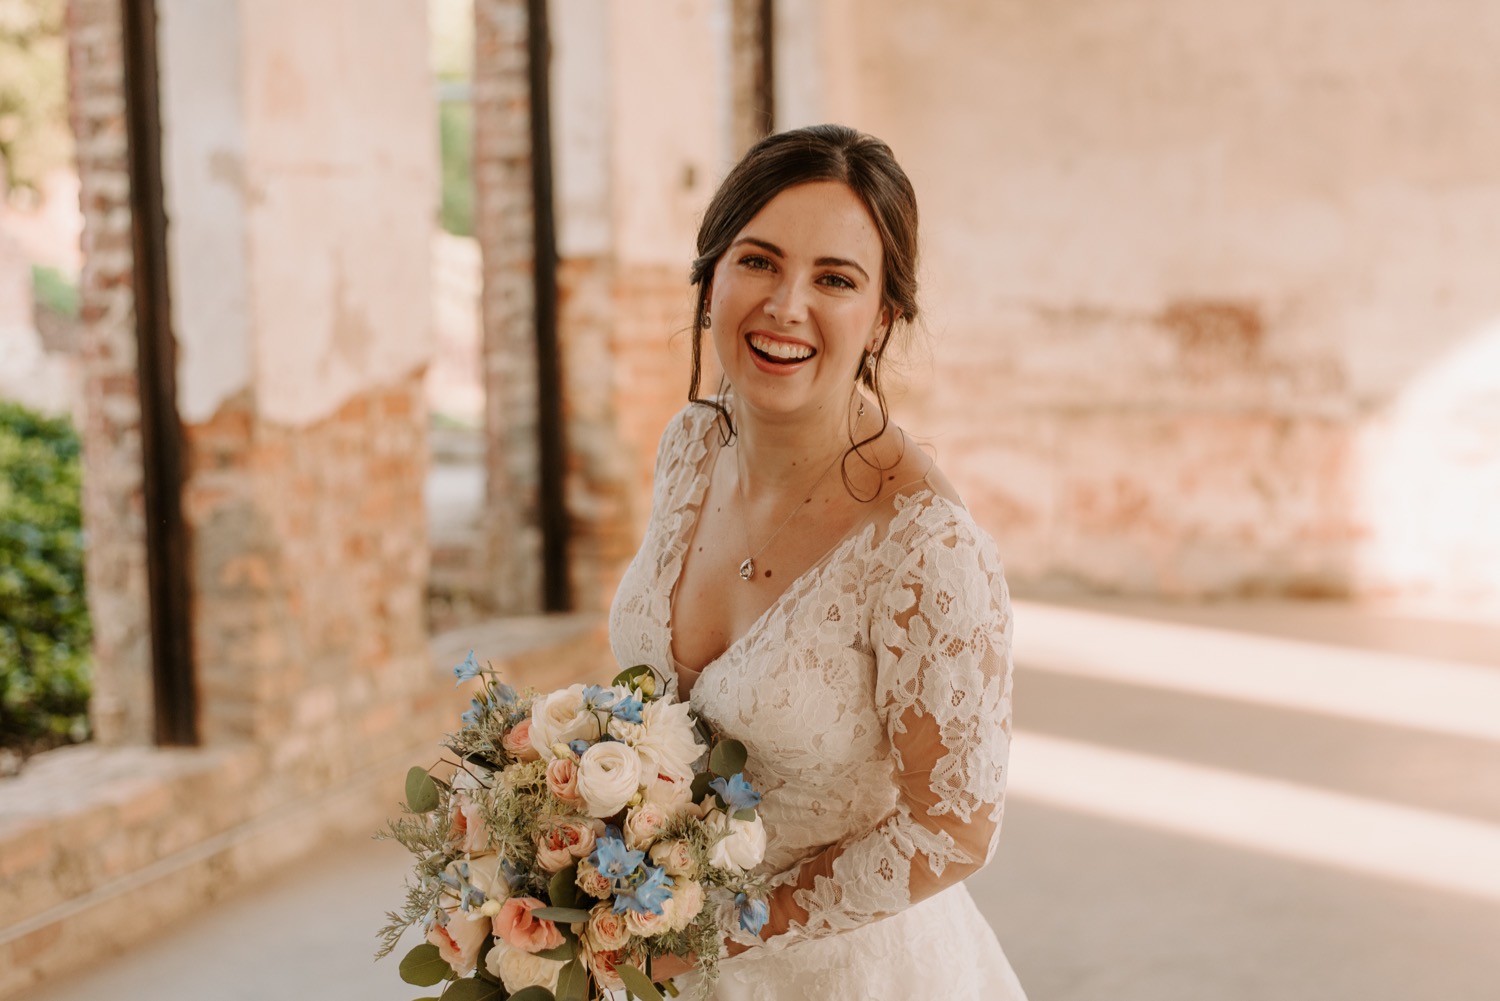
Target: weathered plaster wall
x=1189 y=269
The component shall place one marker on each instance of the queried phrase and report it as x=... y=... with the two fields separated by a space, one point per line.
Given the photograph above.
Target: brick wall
x=503 y=225
x=113 y=501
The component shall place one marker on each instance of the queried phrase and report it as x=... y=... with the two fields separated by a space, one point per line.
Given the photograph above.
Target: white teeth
x=780 y=349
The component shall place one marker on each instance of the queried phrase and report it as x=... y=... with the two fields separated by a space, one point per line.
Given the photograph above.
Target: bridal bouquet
x=573 y=839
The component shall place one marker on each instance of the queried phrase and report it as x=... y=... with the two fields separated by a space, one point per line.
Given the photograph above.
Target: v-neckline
x=696 y=498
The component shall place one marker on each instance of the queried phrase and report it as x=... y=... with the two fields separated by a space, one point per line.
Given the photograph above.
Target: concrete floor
x=1202 y=840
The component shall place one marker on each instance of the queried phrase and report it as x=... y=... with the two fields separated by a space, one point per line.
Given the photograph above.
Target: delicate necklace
x=747 y=568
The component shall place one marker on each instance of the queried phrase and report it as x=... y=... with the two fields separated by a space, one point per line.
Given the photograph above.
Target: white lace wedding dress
x=874 y=699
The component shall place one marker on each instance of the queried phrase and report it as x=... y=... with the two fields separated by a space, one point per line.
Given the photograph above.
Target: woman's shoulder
x=928 y=510
x=685 y=438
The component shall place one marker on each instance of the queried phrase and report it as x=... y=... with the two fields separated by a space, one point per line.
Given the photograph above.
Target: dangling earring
x=708 y=321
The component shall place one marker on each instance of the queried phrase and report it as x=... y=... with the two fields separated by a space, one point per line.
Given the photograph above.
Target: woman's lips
x=777 y=352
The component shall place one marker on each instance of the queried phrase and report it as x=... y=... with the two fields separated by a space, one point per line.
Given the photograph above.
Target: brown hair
x=786 y=159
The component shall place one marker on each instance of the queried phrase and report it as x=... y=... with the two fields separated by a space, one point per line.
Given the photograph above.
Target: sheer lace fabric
x=874 y=699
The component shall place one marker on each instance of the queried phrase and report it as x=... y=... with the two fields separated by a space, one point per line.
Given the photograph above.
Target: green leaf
x=534 y=993
x=700 y=786
x=563 y=890
x=565 y=951
x=748 y=813
x=573 y=982
x=728 y=758
x=421 y=791
x=562 y=915
x=637 y=983
x=642 y=677
x=474 y=989
x=424 y=966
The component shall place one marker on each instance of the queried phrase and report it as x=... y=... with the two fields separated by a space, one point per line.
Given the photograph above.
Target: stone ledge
x=100 y=848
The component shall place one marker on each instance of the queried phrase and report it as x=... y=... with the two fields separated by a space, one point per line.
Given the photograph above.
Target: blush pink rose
x=560 y=845
x=562 y=780
x=602 y=963
x=517 y=742
x=460 y=940
x=606 y=930
x=515 y=926
x=593 y=882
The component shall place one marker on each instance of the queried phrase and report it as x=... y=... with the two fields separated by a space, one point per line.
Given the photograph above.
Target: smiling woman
x=854 y=631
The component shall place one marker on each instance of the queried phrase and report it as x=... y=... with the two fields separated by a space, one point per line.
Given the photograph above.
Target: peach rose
x=591 y=881
x=562 y=780
x=642 y=824
x=606 y=930
x=515 y=926
x=676 y=857
x=558 y=846
x=685 y=903
x=517 y=742
x=647 y=924
x=466 y=823
x=460 y=940
x=602 y=963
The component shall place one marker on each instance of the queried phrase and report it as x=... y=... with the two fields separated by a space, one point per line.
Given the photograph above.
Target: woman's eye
x=838 y=281
x=755 y=262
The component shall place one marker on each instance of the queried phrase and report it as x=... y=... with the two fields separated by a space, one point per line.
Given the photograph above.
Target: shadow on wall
x=1430 y=484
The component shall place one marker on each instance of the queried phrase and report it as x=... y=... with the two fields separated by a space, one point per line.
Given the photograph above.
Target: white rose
x=517 y=968
x=684 y=904
x=673 y=795
x=559 y=718
x=609 y=773
x=642 y=824
x=665 y=739
x=743 y=844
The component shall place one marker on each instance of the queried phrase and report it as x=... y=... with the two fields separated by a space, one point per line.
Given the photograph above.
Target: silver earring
x=861 y=412
x=708 y=321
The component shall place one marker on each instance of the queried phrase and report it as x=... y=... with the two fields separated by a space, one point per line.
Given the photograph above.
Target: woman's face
x=795 y=301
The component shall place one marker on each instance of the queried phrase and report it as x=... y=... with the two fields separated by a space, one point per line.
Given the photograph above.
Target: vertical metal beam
x=161 y=430
x=765 y=78
x=556 y=587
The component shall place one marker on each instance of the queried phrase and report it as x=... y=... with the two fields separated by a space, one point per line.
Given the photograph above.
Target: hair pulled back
x=799 y=156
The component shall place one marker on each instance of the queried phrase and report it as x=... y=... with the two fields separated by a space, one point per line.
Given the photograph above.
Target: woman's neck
x=781 y=455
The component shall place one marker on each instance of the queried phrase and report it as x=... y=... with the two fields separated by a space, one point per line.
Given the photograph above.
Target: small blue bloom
x=504 y=695
x=477 y=709
x=513 y=876
x=468 y=669
x=598 y=697
x=613 y=859
x=648 y=896
x=753 y=913
x=628 y=709
x=578 y=746
x=736 y=793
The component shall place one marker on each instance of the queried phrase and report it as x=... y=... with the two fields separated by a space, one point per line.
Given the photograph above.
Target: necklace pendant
x=747 y=568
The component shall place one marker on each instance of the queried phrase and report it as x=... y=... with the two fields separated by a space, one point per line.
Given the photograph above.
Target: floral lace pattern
x=874 y=699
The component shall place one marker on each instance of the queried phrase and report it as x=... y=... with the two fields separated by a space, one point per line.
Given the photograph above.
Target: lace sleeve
x=941 y=641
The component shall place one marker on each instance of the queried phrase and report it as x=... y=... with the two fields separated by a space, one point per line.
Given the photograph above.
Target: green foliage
x=34 y=136
x=456 y=135
x=45 y=633
x=54 y=291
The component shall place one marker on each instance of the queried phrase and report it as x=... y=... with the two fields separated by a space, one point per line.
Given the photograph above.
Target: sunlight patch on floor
x=1266 y=816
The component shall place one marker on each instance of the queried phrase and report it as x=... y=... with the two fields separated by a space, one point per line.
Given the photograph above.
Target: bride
x=822 y=595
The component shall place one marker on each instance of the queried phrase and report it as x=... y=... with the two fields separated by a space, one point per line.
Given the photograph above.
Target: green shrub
x=456 y=135
x=44 y=621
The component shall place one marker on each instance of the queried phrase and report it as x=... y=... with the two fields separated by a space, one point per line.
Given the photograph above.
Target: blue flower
x=598 y=697
x=477 y=709
x=628 y=709
x=613 y=859
x=647 y=896
x=468 y=669
x=735 y=793
x=753 y=913
x=578 y=746
x=503 y=694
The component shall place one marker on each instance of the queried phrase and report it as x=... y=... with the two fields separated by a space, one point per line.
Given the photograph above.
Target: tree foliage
x=34 y=136
x=45 y=632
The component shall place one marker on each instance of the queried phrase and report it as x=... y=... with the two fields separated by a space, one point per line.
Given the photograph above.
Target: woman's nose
x=788 y=303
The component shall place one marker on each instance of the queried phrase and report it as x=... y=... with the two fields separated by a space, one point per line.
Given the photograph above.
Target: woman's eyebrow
x=822 y=262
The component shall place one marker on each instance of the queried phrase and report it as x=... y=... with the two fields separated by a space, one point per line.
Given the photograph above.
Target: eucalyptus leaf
x=565 y=951
x=534 y=993
x=700 y=786
x=562 y=915
x=473 y=989
x=421 y=791
x=573 y=982
x=424 y=966
x=728 y=758
x=563 y=890
x=748 y=813
x=637 y=983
